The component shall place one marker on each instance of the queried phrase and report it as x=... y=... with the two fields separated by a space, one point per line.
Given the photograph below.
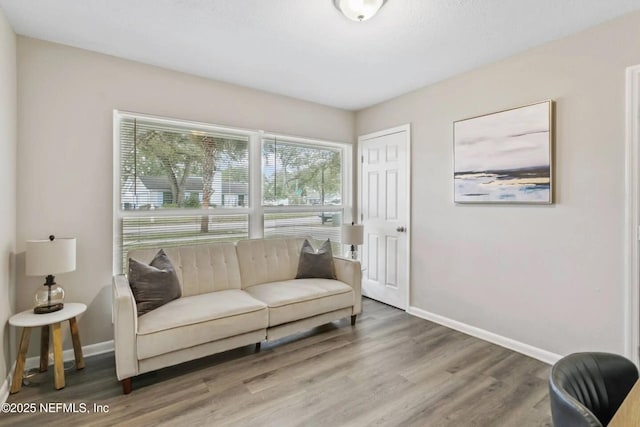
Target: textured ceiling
x=305 y=48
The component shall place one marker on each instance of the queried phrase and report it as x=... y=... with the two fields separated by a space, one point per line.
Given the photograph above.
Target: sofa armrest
x=350 y=272
x=125 y=327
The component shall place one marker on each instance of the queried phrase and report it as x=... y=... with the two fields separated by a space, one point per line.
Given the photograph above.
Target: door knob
x=401 y=229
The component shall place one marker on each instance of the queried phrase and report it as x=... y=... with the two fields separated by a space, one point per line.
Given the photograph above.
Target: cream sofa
x=232 y=295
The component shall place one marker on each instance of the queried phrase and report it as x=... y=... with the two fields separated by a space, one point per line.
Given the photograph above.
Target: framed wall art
x=505 y=157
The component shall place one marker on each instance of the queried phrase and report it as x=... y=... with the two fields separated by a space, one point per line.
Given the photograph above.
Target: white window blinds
x=183 y=183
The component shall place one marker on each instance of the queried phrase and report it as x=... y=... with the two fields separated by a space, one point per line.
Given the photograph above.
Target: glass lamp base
x=43 y=309
x=351 y=254
x=48 y=299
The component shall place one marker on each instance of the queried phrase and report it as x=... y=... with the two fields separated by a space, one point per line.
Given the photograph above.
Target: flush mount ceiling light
x=359 y=10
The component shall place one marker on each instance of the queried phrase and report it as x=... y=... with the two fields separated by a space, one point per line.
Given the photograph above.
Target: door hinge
x=362 y=159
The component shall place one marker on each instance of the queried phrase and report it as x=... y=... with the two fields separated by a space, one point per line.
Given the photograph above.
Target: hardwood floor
x=390 y=369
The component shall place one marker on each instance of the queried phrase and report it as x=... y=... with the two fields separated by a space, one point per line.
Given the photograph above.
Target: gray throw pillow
x=314 y=264
x=155 y=284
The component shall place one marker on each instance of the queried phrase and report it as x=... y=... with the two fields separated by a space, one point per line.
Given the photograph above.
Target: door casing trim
x=632 y=216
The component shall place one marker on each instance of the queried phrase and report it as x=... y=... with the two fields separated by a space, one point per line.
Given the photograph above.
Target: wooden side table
x=50 y=321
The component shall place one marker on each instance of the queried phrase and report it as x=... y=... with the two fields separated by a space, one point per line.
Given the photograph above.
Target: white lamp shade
x=352 y=234
x=46 y=257
x=358 y=10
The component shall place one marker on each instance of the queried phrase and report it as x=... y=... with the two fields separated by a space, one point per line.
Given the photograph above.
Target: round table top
x=29 y=319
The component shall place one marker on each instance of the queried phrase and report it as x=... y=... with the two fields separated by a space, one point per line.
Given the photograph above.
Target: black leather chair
x=586 y=389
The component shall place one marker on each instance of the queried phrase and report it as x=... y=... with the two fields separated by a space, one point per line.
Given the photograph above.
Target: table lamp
x=46 y=258
x=352 y=235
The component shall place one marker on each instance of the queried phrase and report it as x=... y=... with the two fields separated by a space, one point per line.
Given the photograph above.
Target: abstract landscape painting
x=505 y=157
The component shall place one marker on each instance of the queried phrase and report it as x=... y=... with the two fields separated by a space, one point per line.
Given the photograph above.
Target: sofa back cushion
x=200 y=268
x=268 y=260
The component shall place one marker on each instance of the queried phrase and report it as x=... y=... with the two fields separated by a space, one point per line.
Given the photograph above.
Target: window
x=157 y=231
x=295 y=174
x=164 y=166
x=302 y=189
x=319 y=226
x=181 y=183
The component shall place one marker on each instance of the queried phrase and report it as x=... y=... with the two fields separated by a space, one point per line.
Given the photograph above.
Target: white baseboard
x=511 y=344
x=67 y=355
x=6 y=385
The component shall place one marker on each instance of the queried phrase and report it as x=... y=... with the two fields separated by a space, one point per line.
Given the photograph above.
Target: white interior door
x=384 y=211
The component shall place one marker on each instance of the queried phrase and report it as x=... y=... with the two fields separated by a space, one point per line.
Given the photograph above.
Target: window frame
x=345 y=178
x=255 y=209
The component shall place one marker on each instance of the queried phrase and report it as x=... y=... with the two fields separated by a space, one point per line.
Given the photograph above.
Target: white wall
x=66 y=98
x=547 y=276
x=8 y=140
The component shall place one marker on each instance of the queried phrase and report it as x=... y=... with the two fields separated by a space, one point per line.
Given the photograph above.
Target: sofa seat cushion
x=292 y=300
x=198 y=319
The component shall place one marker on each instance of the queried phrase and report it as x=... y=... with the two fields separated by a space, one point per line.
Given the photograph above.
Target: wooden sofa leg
x=258 y=347
x=353 y=319
x=126 y=386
